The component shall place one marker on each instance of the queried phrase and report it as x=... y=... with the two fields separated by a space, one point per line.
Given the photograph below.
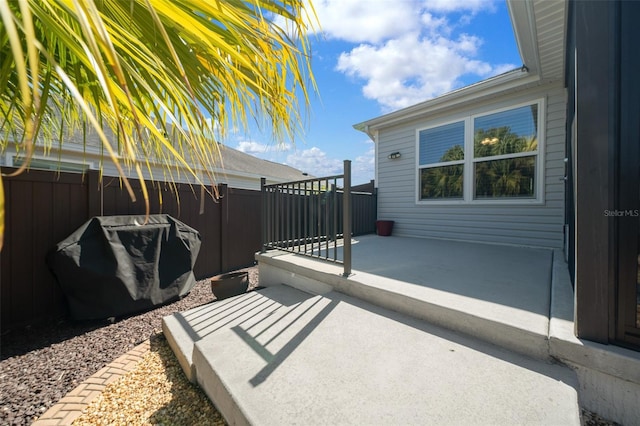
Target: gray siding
x=521 y=224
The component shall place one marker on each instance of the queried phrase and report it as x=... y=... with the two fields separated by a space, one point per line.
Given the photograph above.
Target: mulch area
x=39 y=365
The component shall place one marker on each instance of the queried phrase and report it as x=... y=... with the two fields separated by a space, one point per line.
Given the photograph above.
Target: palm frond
x=140 y=67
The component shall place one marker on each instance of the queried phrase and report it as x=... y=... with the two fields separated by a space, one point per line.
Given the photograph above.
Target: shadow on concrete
x=304 y=313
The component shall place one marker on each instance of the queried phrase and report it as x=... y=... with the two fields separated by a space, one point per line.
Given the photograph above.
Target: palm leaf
x=140 y=67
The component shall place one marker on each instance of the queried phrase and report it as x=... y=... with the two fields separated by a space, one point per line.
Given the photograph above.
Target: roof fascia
x=93 y=154
x=524 y=28
x=492 y=86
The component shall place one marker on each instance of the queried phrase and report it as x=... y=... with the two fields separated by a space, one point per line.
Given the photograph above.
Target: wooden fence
x=43 y=208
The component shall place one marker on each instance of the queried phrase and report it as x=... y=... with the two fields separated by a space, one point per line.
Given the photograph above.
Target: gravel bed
x=40 y=365
x=155 y=392
x=592 y=419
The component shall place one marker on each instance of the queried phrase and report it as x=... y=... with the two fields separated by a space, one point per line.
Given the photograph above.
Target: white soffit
x=551 y=22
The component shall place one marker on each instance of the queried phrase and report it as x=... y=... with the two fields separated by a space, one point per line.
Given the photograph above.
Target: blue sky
x=377 y=56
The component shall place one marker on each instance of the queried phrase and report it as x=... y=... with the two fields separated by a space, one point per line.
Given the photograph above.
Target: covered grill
x=113 y=265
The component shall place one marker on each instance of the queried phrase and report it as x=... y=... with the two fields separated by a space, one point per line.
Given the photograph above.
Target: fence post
x=223 y=190
x=374 y=208
x=263 y=215
x=346 y=237
x=95 y=192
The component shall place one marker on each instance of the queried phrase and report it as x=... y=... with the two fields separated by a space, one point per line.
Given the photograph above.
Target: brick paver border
x=70 y=406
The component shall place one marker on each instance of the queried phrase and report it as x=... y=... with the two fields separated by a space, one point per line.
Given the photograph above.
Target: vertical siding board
x=189 y=216
x=215 y=234
x=61 y=229
x=22 y=240
x=206 y=228
x=6 y=285
x=108 y=197
x=206 y=263
x=94 y=203
x=507 y=223
x=244 y=225
x=77 y=213
x=43 y=282
x=213 y=257
x=77 y=210
x=225 y=217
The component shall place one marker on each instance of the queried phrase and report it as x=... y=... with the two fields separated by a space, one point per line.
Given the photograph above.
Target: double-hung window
x=442 y=161
x=492 y=156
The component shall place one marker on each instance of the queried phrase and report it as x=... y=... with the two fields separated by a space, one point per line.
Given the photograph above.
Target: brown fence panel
x=364 y=212
x=208 y=224
x=181 y=201
x=42 y=208
x=241 y=227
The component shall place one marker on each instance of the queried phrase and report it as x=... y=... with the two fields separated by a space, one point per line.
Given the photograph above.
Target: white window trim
x=419 y=167
x=86 y=165
x=469 y=161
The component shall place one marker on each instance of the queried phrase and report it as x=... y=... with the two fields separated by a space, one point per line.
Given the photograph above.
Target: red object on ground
x=384 y=227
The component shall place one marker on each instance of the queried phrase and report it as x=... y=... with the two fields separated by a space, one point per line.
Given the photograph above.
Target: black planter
x=229 y=285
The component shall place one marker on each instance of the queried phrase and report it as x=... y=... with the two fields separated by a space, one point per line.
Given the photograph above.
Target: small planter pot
x=229 y=285
x=384 y=228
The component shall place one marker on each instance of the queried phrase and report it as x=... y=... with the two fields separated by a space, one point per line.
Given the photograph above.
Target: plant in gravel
x=166 y=77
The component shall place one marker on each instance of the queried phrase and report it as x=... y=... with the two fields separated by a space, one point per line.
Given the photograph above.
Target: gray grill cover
x=113 y=266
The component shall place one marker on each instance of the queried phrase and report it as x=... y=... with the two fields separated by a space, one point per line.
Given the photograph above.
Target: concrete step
x=283 y=356
x=504 y=324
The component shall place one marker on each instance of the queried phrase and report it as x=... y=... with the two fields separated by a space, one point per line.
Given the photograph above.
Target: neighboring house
x=547 y=155
x=237 y=169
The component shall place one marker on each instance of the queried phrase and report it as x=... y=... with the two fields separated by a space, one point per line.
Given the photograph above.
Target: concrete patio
x=498 y=293
x=283 y=356
x=423 y=331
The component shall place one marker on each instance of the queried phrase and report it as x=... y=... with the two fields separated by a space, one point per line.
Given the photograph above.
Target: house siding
x=521 y=224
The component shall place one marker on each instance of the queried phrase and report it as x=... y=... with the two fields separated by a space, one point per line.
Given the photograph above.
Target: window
x=506 y=144
x=442 y=161
x=49 y=164
x=484 y=157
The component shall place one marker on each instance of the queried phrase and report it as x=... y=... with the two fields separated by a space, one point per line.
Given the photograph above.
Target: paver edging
x=71 y=406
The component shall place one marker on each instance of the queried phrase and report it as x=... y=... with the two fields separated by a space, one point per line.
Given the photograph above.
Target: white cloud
x=315 y=162
x=473 y=6
x=363 y=167
x=259 y=149
x=253 y=148
x=371 y=21
x=411 y=69
x=374 y=21
x=212 y=123
x=407 y=53
x=502 y=68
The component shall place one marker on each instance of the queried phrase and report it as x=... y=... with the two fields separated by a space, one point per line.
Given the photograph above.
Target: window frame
x=468 y=190
x=75 y=166
x=420 y=167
